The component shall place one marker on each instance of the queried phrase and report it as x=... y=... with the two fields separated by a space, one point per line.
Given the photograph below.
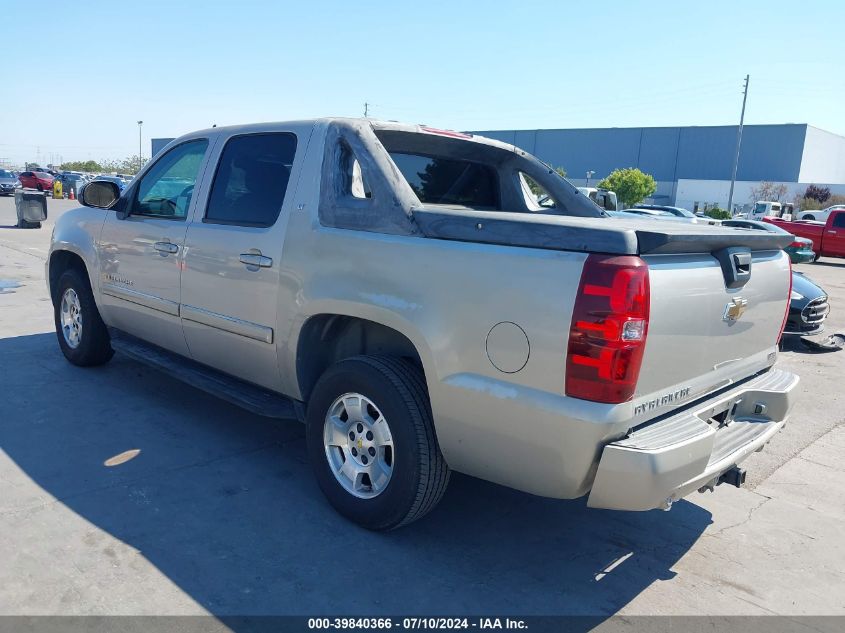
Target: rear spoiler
x=588 y=235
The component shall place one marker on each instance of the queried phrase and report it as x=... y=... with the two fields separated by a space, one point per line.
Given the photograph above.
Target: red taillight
x=796 y=244
x=788 y=302
x=608 y=331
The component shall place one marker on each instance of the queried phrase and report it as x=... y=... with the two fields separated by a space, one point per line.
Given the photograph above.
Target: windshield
x=5 y=174
x=684 y=213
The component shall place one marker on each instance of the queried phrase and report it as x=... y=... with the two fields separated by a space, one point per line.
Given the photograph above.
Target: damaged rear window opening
x=438 y=180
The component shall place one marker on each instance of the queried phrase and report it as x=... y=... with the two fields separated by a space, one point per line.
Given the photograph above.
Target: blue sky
x=184 y=65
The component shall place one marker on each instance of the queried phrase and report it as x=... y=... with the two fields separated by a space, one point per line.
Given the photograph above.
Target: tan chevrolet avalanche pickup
x=427 y=301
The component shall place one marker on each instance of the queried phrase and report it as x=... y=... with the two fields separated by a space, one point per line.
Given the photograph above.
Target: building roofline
x=652 y=127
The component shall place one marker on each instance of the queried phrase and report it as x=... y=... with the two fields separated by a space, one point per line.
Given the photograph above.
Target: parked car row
x=808 y=302
x=44 y=180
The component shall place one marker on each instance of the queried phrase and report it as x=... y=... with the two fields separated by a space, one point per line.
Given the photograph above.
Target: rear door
x=140 y=252
x=834 y=235
x=232 y=254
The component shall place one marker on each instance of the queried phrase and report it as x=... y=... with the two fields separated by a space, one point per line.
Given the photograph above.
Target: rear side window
x=251 y=180
x=449 y=181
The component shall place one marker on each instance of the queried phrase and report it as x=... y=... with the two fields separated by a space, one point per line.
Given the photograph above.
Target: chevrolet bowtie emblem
x=734 y=309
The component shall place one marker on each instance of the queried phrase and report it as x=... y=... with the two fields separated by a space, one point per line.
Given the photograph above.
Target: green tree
x=90 y=166
x=630 y=184
x=718 y=214
x=128 y=165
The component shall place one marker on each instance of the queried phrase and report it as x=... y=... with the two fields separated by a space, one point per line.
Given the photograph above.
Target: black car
x=808 y=307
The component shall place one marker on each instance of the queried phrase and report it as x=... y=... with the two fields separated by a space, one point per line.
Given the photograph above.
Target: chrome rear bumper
x=661 y=462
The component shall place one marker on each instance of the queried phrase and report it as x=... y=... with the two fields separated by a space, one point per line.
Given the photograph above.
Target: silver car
x=8 y=183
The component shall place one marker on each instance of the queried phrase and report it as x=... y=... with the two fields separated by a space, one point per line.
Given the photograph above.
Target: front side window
x=839 y=220
x=251 y=181
x=165 y=190
x=448 y=181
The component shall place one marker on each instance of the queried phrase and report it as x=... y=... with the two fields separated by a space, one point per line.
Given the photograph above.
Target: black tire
x=817 y=258
x=94 y=346
x=420 y=474
x=40 y=187
x=809 y=217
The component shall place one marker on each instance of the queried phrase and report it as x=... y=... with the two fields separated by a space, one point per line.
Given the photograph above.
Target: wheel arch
x=60 y=261
x=327 y=338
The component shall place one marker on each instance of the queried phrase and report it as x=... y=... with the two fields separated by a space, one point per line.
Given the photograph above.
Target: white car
x=819 y=215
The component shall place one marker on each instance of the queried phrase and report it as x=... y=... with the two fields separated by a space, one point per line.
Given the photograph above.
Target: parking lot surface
x=125 y=492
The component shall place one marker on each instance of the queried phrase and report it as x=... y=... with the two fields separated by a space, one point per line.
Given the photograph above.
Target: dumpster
x=31 y=207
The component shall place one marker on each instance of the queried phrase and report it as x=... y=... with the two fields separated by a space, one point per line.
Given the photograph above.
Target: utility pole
x=140 y=161
x=738 y=145
x=366 y=109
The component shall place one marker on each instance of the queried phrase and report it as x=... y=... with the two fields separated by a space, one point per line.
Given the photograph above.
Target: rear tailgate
x=703 y=335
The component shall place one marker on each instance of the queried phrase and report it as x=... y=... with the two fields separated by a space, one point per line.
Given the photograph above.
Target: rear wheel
x=809 y=217
x=82 y=335
x=371 y=442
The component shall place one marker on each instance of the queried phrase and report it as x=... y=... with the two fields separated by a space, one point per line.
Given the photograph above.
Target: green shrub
x=718 y=214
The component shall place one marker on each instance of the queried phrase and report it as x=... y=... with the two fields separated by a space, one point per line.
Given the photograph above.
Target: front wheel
x=372 y=444
x=83 y=337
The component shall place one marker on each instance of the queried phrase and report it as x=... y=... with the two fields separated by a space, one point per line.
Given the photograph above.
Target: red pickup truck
x=828 y=238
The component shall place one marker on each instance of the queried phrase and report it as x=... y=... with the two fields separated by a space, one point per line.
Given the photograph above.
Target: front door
x=232 y=255
x=141 y=250
x=834 y=236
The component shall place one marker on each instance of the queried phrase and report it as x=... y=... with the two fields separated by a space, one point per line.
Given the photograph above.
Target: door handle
x=256 y=259
x=831 y=232
x=166 y=247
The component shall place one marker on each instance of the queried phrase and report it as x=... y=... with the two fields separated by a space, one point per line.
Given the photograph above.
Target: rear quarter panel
x=517 y=429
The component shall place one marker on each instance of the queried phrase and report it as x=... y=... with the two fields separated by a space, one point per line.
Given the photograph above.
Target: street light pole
x=738 y=145
x=140 y=162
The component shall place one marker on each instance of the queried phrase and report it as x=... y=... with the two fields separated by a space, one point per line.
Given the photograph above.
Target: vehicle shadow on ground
x=795 y=344
x=829 y=263
x=223 y=503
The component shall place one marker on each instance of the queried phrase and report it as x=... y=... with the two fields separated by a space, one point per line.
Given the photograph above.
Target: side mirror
x=100 y=194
